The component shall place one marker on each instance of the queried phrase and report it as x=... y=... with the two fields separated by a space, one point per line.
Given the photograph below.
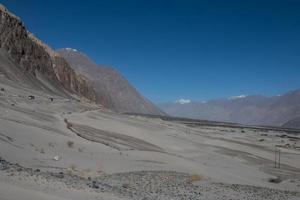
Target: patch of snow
x=236 y=97
x=70 y=49
x=183 y=101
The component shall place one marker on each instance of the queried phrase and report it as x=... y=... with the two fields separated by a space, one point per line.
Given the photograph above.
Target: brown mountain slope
x=29 y=61
x=112 y=89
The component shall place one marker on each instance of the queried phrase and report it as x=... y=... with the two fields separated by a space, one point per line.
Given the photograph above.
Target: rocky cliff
x=36 y=63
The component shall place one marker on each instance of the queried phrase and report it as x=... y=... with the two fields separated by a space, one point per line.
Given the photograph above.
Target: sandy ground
x=85 y=140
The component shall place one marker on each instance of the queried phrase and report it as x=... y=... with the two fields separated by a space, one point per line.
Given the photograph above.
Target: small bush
x=71 y=170
x=50 y=144
x=73 y=167
x=194 y=178
x=70 y=144
x=275 y=180
x=68 y=124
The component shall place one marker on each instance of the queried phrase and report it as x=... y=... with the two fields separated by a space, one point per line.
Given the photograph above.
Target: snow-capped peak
x=236 y=97
x=183 y=101
x=70 y=49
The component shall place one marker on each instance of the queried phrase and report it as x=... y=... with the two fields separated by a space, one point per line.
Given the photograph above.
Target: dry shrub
x=68 y=124
x=50 y=144
x=194 y=178
x=73 y=167
x=70 y=144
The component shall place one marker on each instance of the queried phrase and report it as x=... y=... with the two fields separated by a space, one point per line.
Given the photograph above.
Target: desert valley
x=70 y=129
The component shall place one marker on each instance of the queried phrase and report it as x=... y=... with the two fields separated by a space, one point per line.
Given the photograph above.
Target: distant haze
x=281 y=110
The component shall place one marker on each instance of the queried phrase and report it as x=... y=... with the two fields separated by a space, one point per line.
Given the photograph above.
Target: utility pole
x=277 y=158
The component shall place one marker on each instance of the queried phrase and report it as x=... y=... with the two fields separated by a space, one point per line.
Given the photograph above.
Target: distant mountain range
x=29 y=61
x=281 y=110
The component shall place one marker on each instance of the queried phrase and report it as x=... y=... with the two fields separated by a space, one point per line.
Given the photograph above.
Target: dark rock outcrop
x=15 y=39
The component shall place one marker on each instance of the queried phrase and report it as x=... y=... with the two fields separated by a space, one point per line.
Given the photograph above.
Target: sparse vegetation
x=50 y=144
x=68 y=124
x=70 y=144
x=72 y=167
x=41 y=150
x=275 y=180
x=194 y=178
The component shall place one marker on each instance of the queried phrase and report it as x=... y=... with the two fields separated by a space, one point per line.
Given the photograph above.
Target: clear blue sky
x=181 y=48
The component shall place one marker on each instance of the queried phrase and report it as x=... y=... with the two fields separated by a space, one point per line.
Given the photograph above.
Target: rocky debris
x=275 y=180
x=3 y=164
x=57 y=158
x=156 y=185
x=31 y=97
x=93 y=184
x=59 y=175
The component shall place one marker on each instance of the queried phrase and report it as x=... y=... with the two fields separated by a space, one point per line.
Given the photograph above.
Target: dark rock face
x=112 y=89
x=25 y=58
x=15 y=39
x=249 y=110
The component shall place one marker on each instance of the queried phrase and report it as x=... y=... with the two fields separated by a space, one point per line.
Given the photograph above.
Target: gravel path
x=154 y=185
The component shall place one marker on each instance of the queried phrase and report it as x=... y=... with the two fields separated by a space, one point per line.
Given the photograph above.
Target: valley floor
x=67 y=149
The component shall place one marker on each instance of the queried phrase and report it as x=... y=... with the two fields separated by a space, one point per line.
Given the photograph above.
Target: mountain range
x=69 y=73
x=66 y=72
x=283 y=110
x=112 y=89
